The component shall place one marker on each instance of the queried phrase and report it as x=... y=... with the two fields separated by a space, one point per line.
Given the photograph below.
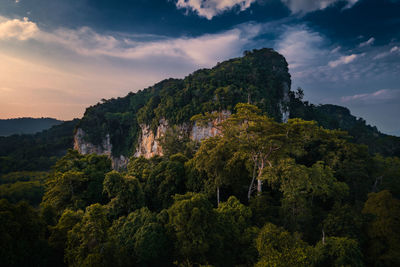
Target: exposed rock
x=84 y=147
x=284 y=105
x=148 y=145
x=199 y=132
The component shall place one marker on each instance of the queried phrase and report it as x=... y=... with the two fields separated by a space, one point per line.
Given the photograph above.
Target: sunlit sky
x=58 y=57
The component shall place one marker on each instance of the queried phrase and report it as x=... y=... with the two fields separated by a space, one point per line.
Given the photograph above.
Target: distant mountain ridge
x=26 y=125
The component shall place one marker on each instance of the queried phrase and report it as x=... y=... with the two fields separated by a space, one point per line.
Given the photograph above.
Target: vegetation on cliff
x=262 y=193
x=260 y=77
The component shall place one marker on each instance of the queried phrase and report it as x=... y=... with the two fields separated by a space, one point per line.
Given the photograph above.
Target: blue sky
x=57 y=57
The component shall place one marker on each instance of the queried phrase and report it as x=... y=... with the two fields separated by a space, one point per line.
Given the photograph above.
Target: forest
x=262 y=193
x=322 y=189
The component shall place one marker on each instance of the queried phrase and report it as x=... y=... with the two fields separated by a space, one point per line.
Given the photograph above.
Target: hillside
x=26 y=125
x=140 y=189
x=260 y=77
x=133 y=124
x=337 y=117
x=36 y=152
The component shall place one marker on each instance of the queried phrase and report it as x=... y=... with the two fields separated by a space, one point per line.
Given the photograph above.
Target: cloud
x=305 y=6
x=393 y=50
x=342 y=60
x=18 y=29
x=300 y=46
x=212 y=8
x=64 y=70
x=379 y=97
x=202 y=51
x=370 y=41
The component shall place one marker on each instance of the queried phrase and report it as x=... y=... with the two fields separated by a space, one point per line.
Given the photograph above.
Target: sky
x=58 y=57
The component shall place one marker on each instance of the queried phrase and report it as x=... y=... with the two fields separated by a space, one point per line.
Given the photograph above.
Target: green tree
x=338 y=252
x=278 y=247
x=166 y=179
x=192 y=222
x=22 y=236
x=139 y=239
x=236 y=233
x=76 y=182
x=302 y=188
x=59 y=233
x=125 y=192
x=383 y=230
x=87 y=239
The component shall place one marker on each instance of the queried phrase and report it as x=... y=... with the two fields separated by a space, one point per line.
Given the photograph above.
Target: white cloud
x=202 y=51
x=18 y=29
x=336 y=49
x=342 y=60
x=370 y=41
x=380 y=96
x=305 y=6
x=387 y=53
x=65 y=70
x=394 y=49
x=300 y=46
x=211 y=8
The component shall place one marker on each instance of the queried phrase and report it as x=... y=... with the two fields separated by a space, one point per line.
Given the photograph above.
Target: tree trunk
x=252 y=182
x=259 y=182
x=218 y=196
x=259 y=186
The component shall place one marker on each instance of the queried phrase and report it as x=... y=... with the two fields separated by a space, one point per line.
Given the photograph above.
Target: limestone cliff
x=149 y=146
x=105 y=148
x=133 y=125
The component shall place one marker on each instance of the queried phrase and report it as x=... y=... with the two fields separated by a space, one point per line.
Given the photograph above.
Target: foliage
x=278 y=247
x=86 y=239
x=260 y=77
x=338 y=251
x=77 y=181
x=36 y=152
x=383 y=230
x=195 y=205
x=192 y=220
x=337 y=117
x=166 y=179
x=22 y=236
x=126 y=193
x=139 y=239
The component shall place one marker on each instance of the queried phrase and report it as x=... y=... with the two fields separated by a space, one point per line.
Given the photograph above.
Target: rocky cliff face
x=149 y=146
x=284 y=105
x=84 y=147
x=111 y=128
x=148 y=143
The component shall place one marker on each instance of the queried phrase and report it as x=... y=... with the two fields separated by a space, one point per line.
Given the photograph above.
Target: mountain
x=132 y=125
x=337 y=117
x=26 y=125
x=36 y=152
